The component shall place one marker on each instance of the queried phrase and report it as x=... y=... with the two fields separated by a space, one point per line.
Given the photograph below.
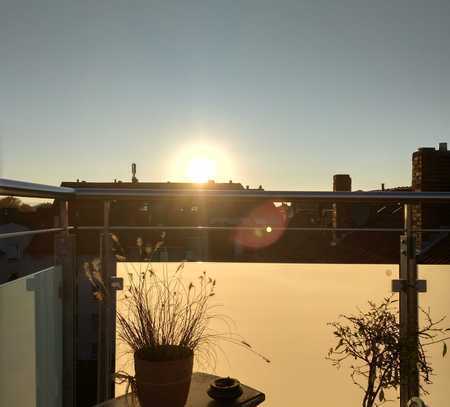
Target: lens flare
x=264 y=226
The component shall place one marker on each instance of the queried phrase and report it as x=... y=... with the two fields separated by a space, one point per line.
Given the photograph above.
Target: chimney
x=382 y=186
x=342 y=215
x=430 y=173
x=342 y=183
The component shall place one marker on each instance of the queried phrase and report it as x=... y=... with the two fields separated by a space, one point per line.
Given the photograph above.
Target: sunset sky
x=283 y=94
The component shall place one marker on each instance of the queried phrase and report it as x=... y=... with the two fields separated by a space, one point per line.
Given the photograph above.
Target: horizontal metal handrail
x=249 y=228
x=212 y=228
x=446 y=230
x=19 y=188
x=32 y=190
x=27 y=189
x=32 y=232
x=280 y=196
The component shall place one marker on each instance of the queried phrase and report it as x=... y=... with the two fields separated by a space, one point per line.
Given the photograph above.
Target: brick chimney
x=342 y=183
x=430 y=173
x=342 y=215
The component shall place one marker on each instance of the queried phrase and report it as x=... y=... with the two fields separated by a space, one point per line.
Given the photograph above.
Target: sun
x=201 y=169
x=200 y=162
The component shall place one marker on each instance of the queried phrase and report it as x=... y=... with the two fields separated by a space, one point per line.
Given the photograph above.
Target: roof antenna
x=133 y=171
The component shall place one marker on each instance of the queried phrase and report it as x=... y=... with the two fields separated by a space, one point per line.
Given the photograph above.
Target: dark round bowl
x=225 y=388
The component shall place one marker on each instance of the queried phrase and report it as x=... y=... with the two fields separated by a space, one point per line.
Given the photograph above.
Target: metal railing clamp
x=116 y=283
x=402 y=285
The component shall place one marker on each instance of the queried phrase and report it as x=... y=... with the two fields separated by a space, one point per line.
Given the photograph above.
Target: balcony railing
x=66 y=257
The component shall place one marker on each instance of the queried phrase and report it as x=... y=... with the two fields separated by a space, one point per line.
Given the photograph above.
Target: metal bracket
x=408 y=246
x=117 y=283
x=31 y=284
x=402 y=286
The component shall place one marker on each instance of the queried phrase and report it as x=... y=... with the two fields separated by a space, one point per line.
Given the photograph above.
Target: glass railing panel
x=31 y=340
x=24 y=255
x=18 y=258
x=18 y=344
x=437 y=301
x=282 y=310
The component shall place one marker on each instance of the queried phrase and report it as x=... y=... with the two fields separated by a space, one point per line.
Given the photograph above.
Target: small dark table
x=198 y=396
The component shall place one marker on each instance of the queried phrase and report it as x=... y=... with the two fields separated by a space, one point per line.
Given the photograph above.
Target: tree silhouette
x=10 y=202
x=371 y=341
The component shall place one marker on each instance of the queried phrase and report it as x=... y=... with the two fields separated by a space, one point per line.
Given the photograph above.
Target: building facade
x=430 y=173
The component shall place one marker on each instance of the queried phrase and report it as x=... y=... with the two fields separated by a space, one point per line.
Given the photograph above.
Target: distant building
x=272 y=240
x=160 y=212
x=430 y=173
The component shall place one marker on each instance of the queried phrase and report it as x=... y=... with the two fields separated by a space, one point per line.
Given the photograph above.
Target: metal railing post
x=106 y=328
x=65 y=257
x=409 y=323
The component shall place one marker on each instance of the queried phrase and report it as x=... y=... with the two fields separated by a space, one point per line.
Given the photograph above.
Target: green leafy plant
x=370 y=342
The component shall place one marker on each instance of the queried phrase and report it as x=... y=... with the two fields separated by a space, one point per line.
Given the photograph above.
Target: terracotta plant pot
x=163 y=383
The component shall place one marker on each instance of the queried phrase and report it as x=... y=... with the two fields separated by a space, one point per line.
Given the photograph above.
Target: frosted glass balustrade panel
x=282 y=310
x=437 y=301
x=31 y=340
x=27 y=254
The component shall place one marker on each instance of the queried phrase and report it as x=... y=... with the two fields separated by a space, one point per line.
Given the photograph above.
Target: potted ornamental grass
x=166 y=320
x=163 y=322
